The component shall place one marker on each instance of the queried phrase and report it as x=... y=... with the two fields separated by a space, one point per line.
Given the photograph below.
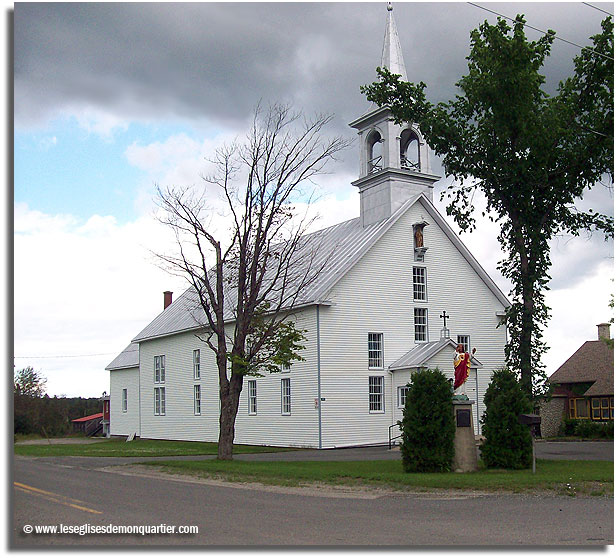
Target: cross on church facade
x=445 y=318
x=444 y=331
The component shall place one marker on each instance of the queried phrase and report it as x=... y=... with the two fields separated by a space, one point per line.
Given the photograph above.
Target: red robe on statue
x=462 y=366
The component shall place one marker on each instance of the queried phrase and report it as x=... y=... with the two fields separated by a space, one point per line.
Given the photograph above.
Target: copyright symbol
x=27 y=529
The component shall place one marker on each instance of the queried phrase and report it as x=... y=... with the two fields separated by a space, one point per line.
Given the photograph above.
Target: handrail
x=408 y=165
x=395 y=437
x=375 y=164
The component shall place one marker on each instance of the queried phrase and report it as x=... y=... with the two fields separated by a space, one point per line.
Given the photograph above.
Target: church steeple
x=392 y=58
x=394 y=159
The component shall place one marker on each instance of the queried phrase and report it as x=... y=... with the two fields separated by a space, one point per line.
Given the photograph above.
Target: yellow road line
x=53 y=497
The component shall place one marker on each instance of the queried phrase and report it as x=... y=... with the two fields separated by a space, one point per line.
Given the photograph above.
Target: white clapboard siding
x=268 y=427
x=376 y=295
x=124 y=423
x=179 y=421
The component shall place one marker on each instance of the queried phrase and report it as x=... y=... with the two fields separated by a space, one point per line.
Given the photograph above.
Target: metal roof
x=128 y=358
x=421 y=354
x=90 y=417
x=332 y=251
x=392 y=58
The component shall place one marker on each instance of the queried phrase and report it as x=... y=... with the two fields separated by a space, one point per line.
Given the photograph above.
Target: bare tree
x=247 y=281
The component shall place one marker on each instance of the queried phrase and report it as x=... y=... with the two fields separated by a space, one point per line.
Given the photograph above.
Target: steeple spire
x=394 y=159
x=392 y=58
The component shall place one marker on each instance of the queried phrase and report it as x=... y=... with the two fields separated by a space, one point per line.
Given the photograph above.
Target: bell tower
x=394 y=159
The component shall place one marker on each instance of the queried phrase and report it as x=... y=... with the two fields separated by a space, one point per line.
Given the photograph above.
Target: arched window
x=375 y=152
x=409 y=150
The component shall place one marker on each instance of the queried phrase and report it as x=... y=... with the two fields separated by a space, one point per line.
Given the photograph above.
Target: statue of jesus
x=462 y=367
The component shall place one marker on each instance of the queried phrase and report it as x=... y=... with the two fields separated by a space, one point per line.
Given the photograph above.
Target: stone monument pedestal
x=465 y=457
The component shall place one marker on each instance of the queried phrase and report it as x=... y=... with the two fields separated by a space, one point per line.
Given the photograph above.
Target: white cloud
x=83 y=289
x=575 y=313
x=98 y=121
x=48 y=142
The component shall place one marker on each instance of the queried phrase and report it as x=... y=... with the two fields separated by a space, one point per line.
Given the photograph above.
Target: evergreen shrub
x=508 y=444
x=427 y=425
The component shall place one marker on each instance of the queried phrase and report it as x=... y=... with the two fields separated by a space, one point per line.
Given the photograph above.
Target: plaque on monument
x=463 y=417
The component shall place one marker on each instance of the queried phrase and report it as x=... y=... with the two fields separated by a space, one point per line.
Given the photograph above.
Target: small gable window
x=465 y=341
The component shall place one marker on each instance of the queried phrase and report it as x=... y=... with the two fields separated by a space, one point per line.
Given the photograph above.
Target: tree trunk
x=527 y=314
x=526 y=333
x=229 y=403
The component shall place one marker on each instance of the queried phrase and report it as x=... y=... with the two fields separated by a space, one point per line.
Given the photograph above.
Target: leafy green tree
x=427 y=425
x=508 y=443
x=532 y=155
x=28 y=381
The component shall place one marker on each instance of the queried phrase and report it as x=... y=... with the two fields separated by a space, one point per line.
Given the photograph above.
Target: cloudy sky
x=111 y=99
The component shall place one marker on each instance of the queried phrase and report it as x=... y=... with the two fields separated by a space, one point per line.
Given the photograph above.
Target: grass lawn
x=136 y=448
x=592 y=478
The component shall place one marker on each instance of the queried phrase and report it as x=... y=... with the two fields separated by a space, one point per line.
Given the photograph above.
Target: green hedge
x=427 y=425
x=587 y=429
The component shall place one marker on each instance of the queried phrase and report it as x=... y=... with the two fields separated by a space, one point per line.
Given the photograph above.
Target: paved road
x=50 y=492
x=593 y=451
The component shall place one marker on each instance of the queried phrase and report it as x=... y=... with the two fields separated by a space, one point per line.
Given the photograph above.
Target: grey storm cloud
x=215 y=61
x=210 y=63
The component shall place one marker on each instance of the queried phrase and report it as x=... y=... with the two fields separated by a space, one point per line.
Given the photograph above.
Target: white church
x=399 y=293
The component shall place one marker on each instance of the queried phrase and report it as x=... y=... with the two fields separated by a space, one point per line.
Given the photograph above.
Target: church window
x=375 y=350
x=409 y=150
x=124 y=400
x=402 y=392
x=375 y=152
x=285 y=394
x=376 y=385
x=252 y=397
x=159 y=401
x=159 y=369
x=197 y=364
x=197 y=400
x=419 y=283
x=465 y=341
x=421 y=325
